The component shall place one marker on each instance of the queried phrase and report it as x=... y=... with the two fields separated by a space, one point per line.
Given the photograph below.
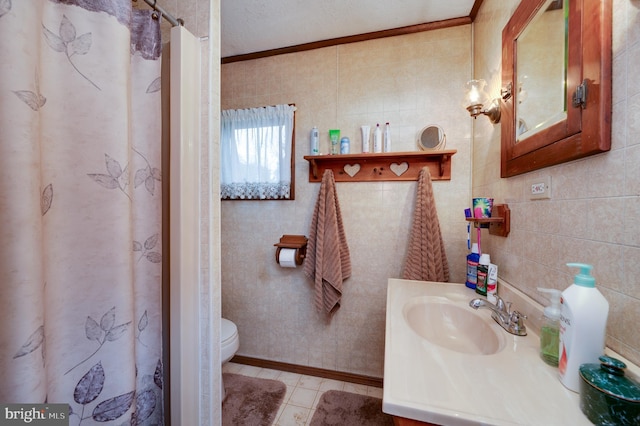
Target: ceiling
x=250 y=26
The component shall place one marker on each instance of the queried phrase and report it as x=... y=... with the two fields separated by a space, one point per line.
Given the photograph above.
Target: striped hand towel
x=327 y=261
x=426 y=257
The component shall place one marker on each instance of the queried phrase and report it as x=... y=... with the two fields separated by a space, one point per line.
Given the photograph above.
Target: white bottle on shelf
x=365 y=130
x=377 y=139
x=315 y=141
x=387 y=138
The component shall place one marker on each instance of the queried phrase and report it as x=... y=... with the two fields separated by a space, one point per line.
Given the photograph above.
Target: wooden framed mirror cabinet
x=556 y=78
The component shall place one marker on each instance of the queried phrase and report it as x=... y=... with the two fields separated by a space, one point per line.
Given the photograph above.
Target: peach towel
x=426 y=257
x=327 y=261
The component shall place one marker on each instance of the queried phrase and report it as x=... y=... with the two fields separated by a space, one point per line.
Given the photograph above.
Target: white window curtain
x=256 y=147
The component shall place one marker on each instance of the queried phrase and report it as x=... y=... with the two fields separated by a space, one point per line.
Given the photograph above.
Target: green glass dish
x=607 y=396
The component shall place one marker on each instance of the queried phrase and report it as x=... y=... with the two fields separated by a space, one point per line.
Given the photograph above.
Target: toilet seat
x=229 y=340
x=228 y=332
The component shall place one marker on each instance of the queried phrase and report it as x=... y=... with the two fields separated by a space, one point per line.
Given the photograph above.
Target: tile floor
x=303 y=392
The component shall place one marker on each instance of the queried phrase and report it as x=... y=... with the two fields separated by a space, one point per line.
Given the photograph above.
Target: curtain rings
x=155 y=15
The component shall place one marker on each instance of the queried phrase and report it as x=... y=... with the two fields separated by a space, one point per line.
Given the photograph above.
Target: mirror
x=431 y=138
x=541 y=72
x=556 y=77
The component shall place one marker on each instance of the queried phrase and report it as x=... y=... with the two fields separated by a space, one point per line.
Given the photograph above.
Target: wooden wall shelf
x=387 y=166
x=499 y=222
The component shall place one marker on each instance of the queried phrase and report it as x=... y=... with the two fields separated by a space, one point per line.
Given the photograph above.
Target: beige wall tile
x=413 y=81
x=400 y=80
x=591 y=216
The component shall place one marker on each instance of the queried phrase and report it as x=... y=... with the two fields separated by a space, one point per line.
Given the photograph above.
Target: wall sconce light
x=476 y=98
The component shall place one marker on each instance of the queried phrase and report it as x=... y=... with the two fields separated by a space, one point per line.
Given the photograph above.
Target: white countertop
x=426 y=382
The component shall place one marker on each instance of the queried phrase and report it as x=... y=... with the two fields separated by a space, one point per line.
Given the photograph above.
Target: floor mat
x=251 y=401
x=349 y=409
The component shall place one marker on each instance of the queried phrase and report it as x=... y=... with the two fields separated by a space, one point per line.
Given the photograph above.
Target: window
x=257 y=148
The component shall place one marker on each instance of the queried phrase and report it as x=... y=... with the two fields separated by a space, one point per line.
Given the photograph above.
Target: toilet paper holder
x=297 y=242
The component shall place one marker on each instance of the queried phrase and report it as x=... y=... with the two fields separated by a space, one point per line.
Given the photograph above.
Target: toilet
x=229 y=344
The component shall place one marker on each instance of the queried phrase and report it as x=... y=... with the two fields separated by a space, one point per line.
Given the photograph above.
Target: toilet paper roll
x=287 y=258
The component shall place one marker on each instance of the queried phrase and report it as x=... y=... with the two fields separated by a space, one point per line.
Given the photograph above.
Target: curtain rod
x=164 y=14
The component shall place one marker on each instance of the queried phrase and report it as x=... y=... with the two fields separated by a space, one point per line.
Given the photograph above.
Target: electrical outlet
x=537 y=188
x=540 y=188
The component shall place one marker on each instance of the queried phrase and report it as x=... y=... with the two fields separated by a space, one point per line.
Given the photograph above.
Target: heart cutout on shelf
x=399 y=169
x=352 y=170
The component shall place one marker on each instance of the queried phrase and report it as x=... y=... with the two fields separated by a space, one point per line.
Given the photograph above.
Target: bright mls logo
x=34 y=414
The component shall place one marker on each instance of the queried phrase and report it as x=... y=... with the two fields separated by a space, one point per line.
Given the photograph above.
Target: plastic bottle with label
x=377 y=139
x=483 y=274
x=315 y=141
x=387 y=138
x=583 y=324
x=345 y=145
x=334 y=138
x=492 y=283
x=550 y=328
x=365 y=138
x=472 y=267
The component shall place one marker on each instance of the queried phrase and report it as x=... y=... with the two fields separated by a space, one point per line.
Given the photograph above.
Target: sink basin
x=451 y=326
x=444 y=361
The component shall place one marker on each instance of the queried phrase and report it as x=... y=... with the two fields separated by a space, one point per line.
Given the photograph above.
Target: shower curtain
x=80 y=209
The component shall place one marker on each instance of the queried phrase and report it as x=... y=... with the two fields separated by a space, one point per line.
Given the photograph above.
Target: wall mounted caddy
x=499 y=222
x=386 y=166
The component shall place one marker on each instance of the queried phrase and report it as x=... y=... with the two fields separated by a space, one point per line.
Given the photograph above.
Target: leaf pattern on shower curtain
x=103 y=332
x=46 y=199
x=143 y=322
x=113 y=408
x=90 y=385
x=5 y=7
x=145 y=404
x=88 y=389
x=149 y=244
x=68 y=43
x=155 y=85
x=148 y=175
x=117 y=178
x=34 y=100
x=158 y=375
x=35 y=341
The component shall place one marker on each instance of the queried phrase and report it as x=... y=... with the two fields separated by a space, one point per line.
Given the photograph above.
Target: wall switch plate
x=539 y=188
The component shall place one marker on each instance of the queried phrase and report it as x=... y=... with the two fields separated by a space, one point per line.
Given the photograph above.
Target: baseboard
x=309 y=371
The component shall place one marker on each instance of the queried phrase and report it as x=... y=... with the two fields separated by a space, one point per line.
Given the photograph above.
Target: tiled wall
x=592 y=215
x=411 y=81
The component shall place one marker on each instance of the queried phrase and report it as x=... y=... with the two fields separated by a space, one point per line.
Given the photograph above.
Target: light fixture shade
x=476 y=100
x=475 y=96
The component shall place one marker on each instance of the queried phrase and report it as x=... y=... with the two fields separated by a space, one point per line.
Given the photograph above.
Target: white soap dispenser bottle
x=583 y=324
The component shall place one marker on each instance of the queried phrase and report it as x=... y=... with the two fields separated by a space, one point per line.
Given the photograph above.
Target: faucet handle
x=517 y=316
x=516 y=320
x=501 y=305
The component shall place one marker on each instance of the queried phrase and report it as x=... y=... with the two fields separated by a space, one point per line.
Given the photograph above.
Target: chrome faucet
x=512 y=321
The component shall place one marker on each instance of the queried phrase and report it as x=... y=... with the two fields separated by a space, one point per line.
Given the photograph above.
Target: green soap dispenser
x=550 y=328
